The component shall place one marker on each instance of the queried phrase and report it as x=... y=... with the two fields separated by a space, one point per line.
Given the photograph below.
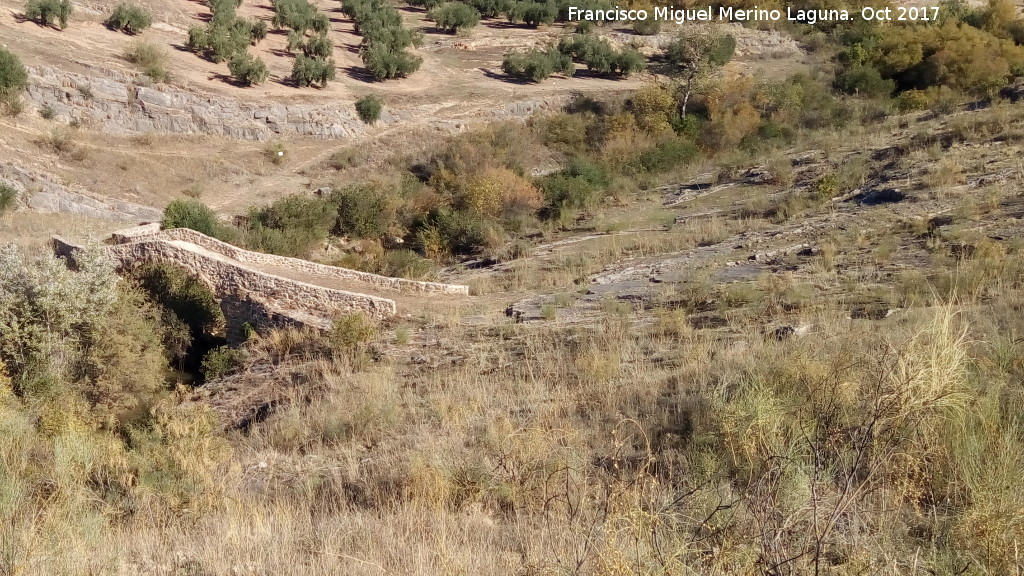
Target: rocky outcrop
x=42 y=194
x=121 y=104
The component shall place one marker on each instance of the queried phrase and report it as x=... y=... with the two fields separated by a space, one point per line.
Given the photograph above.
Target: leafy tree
x=385 y=41
x=368 y=108
x=129 y=18
x=454 y=17
x=248 y=69
x=384 y=63
x=299 y=15
x=600 y=57
x=695 y=55
x=312 y=71
x=537 y=64
x=49 y=12
x=318 y=46
x=491 y=8
x=533 y=14
x=955 y=55
x=13 y=79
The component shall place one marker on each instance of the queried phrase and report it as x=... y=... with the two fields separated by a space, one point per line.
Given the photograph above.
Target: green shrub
x=221 y=361
x=450 y=232
x=912 y=100
x=150 y=57
x=666 y=155
x=369 y=108
x=363 y=212
x=648 y=27
x=864 y=81
x=405 y=263
x=248 y=70
x=8 y=198
x=351 y=331
x=537 y=64
x=197 y=216
x=183 y=296
x=49 y=12
x=13 y=80
x=291 y=226
x=563 y=192
x=129 y=18
x=454 y=17
x=308 y=71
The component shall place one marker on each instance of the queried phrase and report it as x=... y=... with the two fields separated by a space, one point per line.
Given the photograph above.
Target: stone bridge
x=264 y=290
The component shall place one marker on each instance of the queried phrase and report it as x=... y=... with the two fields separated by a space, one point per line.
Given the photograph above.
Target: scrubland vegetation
x=849 y=408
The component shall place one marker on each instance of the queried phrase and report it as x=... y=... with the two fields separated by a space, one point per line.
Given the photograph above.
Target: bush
x=576 y=187
x=183 y=296
x=454 y=17
x=312 y=71
x=129 y=18
x=499 y=192
x=666 y=155
x=648 y=27
x=446 y=232
x=49 y=12
x=291 y=226
x=369 y=108
x=363 y=212
x=248 y=70
x=864 y=81
x=13 y=80
x=912 y=100
x=536 y=64
x=351 y=331
x=8 y=198
x=150 y=58
x=197 y=216
x=221 y=361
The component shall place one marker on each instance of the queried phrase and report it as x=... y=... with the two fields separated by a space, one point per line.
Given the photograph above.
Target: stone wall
x=305 y=266
x=152 y=232
x=243 y=290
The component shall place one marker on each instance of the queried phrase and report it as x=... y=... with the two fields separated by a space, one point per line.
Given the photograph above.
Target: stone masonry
x=249 y=295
